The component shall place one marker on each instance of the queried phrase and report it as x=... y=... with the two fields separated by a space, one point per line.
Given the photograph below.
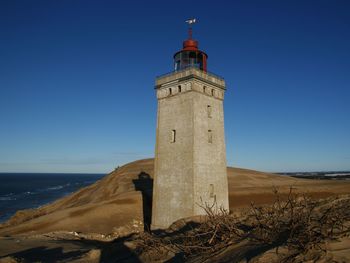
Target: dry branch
x=299 y=223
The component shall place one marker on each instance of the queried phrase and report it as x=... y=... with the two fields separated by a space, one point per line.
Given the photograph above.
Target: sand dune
x=116 y=204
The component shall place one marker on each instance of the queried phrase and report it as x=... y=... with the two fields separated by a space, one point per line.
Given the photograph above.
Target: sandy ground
x=115 y=207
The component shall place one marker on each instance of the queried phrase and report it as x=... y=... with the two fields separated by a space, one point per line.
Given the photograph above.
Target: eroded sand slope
x=117 y=202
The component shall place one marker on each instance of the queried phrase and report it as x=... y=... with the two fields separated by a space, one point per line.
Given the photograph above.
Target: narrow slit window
x=204 y=89
x=211 y=190
x=170 y=91
x=212 y=92
x=173 y=136
x=179 y=88
x=209 y=111
x=210 y=136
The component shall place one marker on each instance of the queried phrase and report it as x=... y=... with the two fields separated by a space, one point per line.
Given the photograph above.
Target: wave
x=18 y=196
x=37 y=192
x=55 y=187
x=7 y=198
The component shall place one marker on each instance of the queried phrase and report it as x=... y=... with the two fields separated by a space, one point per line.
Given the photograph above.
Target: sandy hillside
x=116 y=203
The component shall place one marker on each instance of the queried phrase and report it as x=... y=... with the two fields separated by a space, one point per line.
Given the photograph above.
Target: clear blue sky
x=77 y=80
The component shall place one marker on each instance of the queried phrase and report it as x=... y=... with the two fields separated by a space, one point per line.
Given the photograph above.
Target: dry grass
x=299 y=224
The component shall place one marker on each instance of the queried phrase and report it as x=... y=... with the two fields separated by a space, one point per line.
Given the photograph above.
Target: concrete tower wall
x=190 y=161
x=210 y=176
x=173 y=182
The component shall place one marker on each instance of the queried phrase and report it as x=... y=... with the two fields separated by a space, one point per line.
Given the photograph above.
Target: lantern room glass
x=185 y=59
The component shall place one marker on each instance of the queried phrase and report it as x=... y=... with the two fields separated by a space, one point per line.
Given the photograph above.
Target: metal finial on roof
x=190 y=22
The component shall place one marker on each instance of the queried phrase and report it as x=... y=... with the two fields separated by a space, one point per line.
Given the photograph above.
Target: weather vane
x=190 y=22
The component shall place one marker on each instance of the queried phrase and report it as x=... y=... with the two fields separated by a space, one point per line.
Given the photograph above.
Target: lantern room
x=190 y=55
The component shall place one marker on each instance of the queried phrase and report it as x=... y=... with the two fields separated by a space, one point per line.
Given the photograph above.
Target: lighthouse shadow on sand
x=144 y=184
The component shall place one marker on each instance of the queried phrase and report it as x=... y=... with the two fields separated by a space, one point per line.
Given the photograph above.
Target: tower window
x=170 y=91
x=211 y=190
x=179 y=88
x=210 y=136
x=209 y=111
x=204 y=89
x=173 y=136
x=212 y=92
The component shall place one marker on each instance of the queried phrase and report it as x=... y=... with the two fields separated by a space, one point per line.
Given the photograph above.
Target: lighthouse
x=190 y=154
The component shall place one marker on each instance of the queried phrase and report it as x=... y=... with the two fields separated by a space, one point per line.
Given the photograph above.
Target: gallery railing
x=190 y=67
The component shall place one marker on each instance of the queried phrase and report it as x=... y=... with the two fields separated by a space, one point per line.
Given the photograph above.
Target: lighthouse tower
x=190 y=155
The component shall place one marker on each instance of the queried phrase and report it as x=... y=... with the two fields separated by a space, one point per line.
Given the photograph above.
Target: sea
x=31 y=190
